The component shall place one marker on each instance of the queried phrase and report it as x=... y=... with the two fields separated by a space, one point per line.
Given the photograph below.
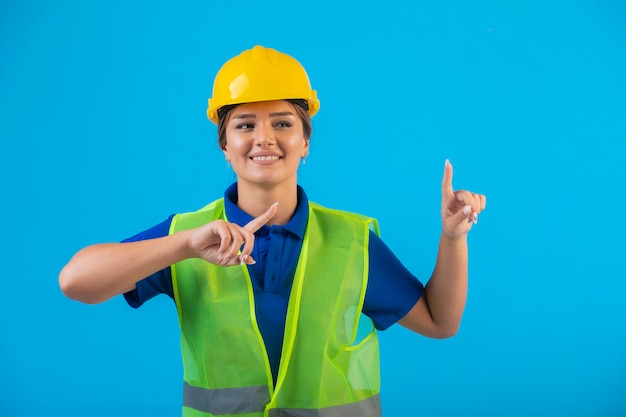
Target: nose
x=265 y=134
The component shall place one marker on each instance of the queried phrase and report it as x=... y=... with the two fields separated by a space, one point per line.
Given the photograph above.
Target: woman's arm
x=99 y=272
x=438 y=312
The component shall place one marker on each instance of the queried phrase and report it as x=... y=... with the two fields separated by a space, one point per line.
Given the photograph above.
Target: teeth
x=265 y=158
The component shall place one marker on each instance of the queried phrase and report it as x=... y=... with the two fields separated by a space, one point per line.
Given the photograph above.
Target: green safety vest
x=329 y=364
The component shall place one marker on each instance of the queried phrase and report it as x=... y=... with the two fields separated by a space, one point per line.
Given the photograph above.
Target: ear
x=226 y=153
x=305 y=148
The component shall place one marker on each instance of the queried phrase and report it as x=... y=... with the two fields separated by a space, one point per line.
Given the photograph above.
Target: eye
x=245 y=125
x=283 y=124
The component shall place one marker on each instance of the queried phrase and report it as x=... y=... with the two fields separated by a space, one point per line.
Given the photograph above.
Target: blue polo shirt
x=391 y=289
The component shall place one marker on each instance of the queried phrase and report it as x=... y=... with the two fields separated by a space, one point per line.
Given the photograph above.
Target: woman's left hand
x=459 y=209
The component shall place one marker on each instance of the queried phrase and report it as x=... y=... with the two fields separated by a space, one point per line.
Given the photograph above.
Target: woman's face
x=264 y=142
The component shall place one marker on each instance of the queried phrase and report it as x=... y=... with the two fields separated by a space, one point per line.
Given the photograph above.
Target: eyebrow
x=253 y=116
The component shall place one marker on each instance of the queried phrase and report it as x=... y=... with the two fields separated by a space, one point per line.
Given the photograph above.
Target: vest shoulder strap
x=191 y=220
x=372 y=222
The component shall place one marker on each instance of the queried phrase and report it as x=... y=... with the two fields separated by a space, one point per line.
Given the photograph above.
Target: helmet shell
x=261 y=74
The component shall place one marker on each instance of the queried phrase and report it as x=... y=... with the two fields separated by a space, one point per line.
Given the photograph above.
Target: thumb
x=446 y=183
x=462 y=215
x=255 y=224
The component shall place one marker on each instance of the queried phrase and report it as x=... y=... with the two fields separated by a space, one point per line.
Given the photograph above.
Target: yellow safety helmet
x=261 y=74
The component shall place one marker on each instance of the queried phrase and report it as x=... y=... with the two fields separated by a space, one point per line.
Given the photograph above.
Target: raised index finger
x=255 y=224
x=446 y=183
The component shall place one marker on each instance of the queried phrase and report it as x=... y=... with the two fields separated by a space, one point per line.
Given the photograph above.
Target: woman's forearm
x=446 y=290
x=99 y=272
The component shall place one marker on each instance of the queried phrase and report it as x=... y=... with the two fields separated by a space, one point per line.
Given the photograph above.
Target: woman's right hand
x=219 y=242
x=101 y=271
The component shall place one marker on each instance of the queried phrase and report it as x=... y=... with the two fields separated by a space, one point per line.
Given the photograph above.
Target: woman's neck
x=255 y=200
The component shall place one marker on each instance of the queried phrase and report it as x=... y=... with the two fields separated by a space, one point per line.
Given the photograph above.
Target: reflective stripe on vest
x=229 y=401
x=226 y=400
x=328 y=366
x=369 y=407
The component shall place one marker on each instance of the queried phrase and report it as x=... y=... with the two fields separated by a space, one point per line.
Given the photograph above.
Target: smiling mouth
x=265 y=158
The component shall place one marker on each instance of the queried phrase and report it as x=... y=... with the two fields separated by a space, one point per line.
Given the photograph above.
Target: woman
x=271 y=289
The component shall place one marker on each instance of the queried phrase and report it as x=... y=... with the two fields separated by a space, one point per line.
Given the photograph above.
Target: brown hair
x=225 y=112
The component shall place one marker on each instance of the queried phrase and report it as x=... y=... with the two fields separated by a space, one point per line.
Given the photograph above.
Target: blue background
x=103 y=134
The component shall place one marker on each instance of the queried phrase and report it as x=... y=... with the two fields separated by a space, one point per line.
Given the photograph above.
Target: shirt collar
x=297 y=224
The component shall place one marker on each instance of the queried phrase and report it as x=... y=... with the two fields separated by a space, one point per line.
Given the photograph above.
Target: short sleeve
x=158 y=283
x=392 y=290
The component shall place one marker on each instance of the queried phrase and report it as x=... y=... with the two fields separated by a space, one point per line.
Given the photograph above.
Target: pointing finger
x=246 y=250
x=446 y=183
x=255 y=224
